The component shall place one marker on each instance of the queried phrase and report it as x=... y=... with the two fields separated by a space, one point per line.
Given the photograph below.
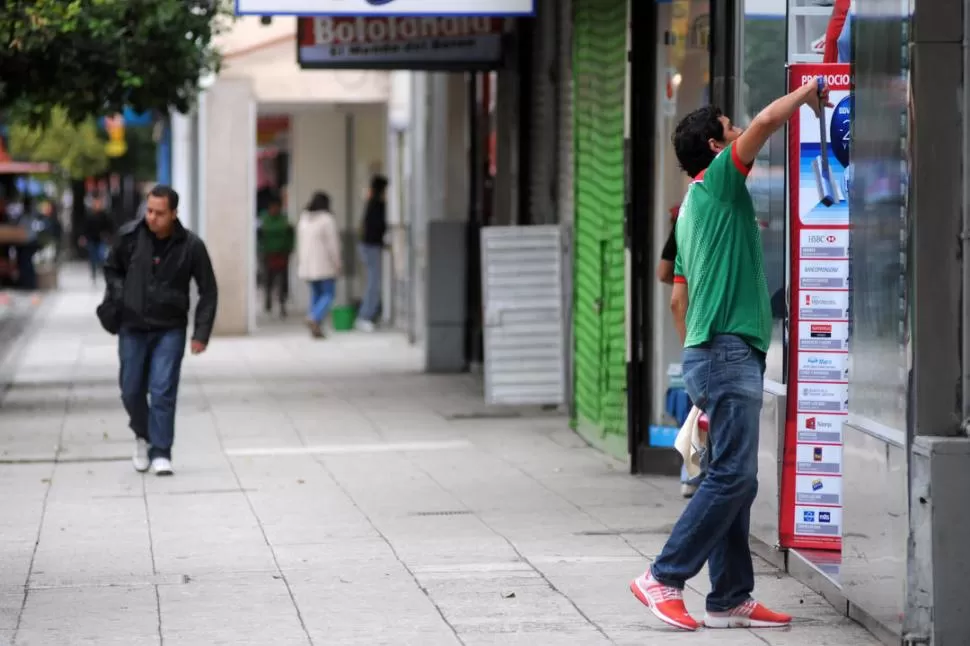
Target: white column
x=183 y=166
x=229 y=200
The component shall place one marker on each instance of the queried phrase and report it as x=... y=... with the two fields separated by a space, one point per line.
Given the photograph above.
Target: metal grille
x=522 y=299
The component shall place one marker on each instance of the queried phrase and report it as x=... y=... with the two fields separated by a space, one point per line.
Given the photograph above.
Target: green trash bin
x=344 y=317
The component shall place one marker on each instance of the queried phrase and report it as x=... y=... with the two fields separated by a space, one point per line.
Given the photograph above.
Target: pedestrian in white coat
x=318 y=258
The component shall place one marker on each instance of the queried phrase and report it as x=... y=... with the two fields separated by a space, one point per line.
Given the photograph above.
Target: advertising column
x=819 y=174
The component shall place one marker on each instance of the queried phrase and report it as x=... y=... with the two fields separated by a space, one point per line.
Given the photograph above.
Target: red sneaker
x=749 y=614
x=665 y=602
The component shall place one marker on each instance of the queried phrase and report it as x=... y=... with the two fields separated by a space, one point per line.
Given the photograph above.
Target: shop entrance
x=689 y=63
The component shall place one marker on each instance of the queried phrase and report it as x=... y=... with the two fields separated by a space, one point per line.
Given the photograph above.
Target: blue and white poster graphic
x=813 y=209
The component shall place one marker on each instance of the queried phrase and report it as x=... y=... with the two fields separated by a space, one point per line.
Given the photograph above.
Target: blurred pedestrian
x=374 y=228
x=96 y=235
x=275 y=243
x=318 y=258
x=148 y=272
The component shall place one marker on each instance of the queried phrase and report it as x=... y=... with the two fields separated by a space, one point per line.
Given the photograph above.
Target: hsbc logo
x=818 y=238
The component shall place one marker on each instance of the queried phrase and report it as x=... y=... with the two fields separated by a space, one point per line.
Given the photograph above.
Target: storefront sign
x=385 y=7
x=401 y=42
x=818 y=390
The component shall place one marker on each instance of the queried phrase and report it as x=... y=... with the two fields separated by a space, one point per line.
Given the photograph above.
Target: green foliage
x=76 y=148
x=95 y=57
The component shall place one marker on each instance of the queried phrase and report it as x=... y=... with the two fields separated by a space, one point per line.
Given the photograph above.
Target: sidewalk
x=326 y=493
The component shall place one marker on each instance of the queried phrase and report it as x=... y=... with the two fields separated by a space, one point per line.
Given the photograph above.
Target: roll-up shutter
x=600 y=44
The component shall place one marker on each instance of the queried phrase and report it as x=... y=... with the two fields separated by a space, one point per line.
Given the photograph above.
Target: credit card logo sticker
x=824 y=305
x=824 y=244
x=832 y=336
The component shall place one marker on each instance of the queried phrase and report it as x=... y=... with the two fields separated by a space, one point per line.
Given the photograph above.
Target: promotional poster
x=819 y=178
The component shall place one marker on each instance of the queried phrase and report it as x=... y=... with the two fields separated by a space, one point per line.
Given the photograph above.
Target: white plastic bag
x=691 y=442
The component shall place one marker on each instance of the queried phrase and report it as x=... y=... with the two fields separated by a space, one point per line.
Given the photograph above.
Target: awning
x=24 y=168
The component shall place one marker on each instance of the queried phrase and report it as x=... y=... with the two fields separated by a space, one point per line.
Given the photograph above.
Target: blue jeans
x=96 y=254
x=151 y=364
x=321 y=298
x=725 y=379
x=372 y=256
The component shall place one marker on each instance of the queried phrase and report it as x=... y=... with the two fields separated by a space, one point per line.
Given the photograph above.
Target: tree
x=77 y=148
x=95 y=57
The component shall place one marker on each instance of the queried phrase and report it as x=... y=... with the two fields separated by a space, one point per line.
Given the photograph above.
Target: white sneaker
x=364 y=326
x=688 y=490
x=140 y=459
x=162 y=467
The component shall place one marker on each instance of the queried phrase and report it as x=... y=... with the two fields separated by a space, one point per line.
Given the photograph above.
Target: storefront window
x=683 y=80
x=877 y=203
x=762 y=68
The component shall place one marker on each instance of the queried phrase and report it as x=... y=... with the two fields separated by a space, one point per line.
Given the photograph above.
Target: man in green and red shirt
x=723 y=314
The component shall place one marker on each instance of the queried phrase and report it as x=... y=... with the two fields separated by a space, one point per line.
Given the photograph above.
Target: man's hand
x=198 y=347
x=817 y=99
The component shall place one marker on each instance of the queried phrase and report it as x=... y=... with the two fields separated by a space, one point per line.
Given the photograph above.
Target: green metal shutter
x=600 y=44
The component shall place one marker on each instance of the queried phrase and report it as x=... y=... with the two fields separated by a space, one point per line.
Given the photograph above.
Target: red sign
x=811 y=491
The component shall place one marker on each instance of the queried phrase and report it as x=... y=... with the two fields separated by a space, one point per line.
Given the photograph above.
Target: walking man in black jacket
x=148 y=272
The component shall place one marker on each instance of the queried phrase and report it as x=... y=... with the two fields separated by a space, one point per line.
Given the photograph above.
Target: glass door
x=683 y=84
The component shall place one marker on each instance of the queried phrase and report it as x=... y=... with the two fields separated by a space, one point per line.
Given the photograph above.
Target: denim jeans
x=372 y=256
x=322 y=293
x=96 y=253
x=151 y=364
x=725 y=379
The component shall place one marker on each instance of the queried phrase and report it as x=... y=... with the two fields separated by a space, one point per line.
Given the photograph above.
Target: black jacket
x=375 y=223
x=97 y=226
x=143 y=295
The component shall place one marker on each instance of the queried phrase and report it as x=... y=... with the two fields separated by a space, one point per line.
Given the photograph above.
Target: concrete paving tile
x=328 y=556
x=72 y=544
x=374 y=607
x=658 y=635
x=257 y=611
x=95 y=616
x=567 y=637
x=190 y=534
x=832 y=632
x=10 y=603
x=497 y=602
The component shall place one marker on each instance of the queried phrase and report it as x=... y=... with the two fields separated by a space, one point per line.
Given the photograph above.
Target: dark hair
x=378 y=184
x=692 y=139
x=163 y=190
x=319 y=202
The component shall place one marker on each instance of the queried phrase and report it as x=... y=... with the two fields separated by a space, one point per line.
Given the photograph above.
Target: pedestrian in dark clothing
x=95 y=236
x=148 y=273
x=372 y=251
